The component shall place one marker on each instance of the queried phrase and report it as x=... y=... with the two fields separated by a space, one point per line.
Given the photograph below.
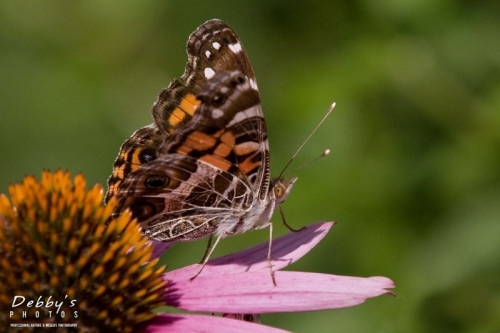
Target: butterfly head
x=282 y=187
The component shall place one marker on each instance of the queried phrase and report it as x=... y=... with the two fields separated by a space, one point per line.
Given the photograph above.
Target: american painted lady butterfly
x=202 y=167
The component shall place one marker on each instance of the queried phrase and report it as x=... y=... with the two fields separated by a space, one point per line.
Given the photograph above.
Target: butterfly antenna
x=300 y=167
x=305 y=141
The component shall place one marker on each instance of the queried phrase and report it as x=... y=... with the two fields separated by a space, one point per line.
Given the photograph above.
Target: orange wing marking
x=247 y=165
x=187 y=107
x=226 y=145
x=200 y=141
x=217 y=162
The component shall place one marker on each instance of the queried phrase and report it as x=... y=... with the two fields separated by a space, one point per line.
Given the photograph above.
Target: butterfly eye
x=142 y=211
x=157 y=182
x=218 y=100
x=278 y=191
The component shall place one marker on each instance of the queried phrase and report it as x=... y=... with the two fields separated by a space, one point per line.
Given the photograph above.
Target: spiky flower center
x=62 y=261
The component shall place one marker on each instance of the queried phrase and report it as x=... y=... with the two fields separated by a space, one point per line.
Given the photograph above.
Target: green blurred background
x=413 y=178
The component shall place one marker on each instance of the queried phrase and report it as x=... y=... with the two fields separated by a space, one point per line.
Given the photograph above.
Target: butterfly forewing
x=206 y=165
x=214 y=46
x=210 y=48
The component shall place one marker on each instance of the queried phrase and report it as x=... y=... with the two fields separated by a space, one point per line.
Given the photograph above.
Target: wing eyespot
x=237 y=79
x=157 y=182
x=143 y=210
x=147 y=155
x=218 y=99
x=240 y=79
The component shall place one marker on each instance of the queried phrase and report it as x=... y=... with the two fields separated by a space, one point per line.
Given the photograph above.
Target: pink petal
x=286 y=249
x=182 y=323
x=254 y=292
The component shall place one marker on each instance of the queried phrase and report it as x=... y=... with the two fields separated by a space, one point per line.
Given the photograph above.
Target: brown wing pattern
x=208 y=47
x=204 y=162
x=210 y=172
x=228 y=131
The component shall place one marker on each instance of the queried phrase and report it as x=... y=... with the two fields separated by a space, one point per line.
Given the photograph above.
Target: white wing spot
x=236 y=48
x=209 y=72
x=208 y=53
x=217 y=113
x=253 y=111
x=253 y=84
x=216 y=45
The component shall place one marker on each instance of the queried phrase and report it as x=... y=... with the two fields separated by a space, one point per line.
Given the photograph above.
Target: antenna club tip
x=333 y=105
x=327 y=151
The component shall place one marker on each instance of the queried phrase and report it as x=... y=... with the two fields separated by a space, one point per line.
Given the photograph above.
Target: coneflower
x=62 y=262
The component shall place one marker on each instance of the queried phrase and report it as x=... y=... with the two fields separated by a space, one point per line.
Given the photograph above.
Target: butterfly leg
x=286 y=224
x=207 y=257
x=206 y=250
x=269 y=250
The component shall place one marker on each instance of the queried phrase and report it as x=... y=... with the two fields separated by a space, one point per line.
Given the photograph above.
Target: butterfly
x=202 y=167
